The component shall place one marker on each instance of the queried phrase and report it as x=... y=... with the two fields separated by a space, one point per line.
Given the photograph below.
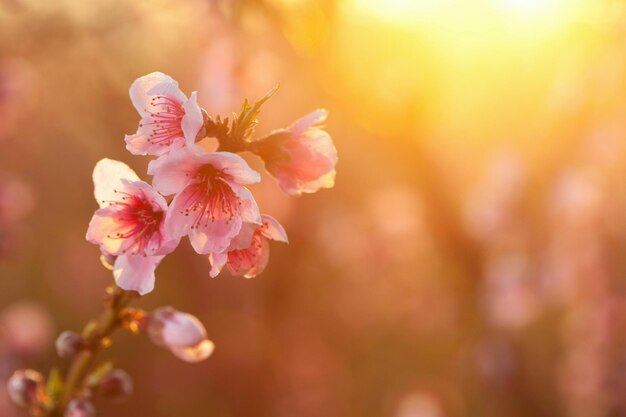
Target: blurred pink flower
x=227 y=73
x=511 y=300
x=168 y=119
x=16 y=201
x=496 y=361
x=17 y=79
x=129 y=225
x=180 y=332
x=491 y=209
x=211 y=204
x=301 y=157
x=26 y=327
x=249 y=252
x=419 y=404
x=218 y=68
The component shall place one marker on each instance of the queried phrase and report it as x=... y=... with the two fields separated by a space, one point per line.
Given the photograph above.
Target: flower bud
x=80 y=407
x=301 y=157
x=68 y=344
x=117 y=385
x=25 y=387
x=182 y=333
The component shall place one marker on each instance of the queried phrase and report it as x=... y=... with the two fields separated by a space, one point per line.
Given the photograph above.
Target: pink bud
x=182 y=333
x=117 y=385
x=24 y=387
x=301 y=157
x=80 y=407
x=68 y=344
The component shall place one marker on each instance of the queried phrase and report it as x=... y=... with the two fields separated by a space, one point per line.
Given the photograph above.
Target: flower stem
x=95 y=336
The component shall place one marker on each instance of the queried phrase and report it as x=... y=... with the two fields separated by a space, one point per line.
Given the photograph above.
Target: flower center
x=137 y=220
x=241 y=260
x=164 y=121
x=212 y=198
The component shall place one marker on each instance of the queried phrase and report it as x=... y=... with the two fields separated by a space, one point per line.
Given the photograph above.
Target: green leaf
x=54 y=388
x=100 y=372
x=90 y=328
x=246 y=121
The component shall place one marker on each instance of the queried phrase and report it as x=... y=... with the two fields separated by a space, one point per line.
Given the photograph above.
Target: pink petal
x=182 y=330
x=156 y=83
x=312 y=155
x=192 y=120
x=241 y=261
x=217 y=261
x=138 y=144
x=233 y=165
x=273 y=229
x=311 y=165
x=212 y=236
x=215 y=236
x=101 y=226
x=140 y=187
x=262 y=260
x=292 y=186
x=244 y=239
x=176 y=222
x=325 y=181
x=249 y=210
x=314 y=118
x=172 y=172
x=167 y=245
x=107 y=177
x=136 y=272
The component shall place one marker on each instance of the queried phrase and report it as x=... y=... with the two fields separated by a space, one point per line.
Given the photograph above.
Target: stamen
x=165 y=118
x=138 y=222
x=211 y=199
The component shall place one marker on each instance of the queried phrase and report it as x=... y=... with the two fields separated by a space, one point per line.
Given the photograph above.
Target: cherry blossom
x=129 y=225
x=169 y=119
x=211 y=203
x=249 y=252
x=301 y=157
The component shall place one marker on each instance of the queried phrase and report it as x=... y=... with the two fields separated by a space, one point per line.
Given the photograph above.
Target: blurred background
x=471 y=260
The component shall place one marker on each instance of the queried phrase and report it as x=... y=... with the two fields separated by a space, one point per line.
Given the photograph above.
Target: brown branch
x=95 y=336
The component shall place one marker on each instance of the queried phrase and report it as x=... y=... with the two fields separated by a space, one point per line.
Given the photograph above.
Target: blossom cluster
x=136 y=226
x=210 y=203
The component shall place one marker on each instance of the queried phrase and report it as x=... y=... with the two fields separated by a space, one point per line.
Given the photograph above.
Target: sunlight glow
x=411 y=12
x=532 y=6
x=399 y=11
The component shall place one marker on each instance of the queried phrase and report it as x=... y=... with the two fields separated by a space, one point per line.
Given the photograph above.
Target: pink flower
x=302 y=157
x=211 y=203
x=183 y=334
x=129 y=225
x=249 y=252
x=168 y=119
